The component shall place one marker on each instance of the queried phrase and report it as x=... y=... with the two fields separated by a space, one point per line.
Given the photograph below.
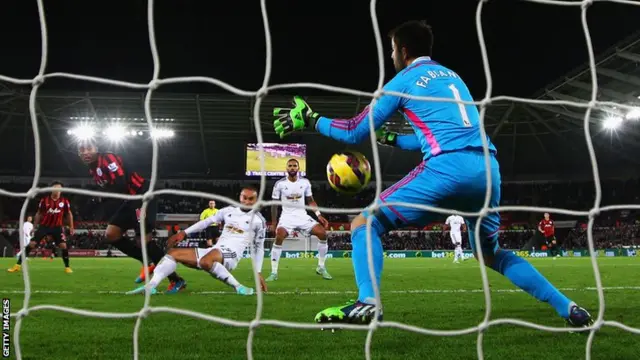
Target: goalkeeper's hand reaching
x=386 y=137
x=288 y=120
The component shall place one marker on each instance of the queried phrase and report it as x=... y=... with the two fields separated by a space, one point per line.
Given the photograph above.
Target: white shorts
x=456 y=238
x=27 y=240
x=230 y=255
x=302 y=224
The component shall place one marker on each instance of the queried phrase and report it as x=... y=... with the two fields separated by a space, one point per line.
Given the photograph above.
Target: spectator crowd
x=613 y=229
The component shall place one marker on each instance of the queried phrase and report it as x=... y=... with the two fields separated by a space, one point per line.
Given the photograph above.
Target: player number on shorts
x=461 y=107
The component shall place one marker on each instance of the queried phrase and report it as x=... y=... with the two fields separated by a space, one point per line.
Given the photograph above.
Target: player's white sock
x=276 y=251
x=165 y=267
x=221 y=273
x=323 y=248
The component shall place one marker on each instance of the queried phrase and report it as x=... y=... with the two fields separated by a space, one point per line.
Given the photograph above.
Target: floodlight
x=634 y=114
x=82 y=132
x=115 y=132
x=162 y=133
x=612 y=122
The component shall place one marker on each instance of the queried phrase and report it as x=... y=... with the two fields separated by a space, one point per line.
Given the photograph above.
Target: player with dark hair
x=548 y=230
x=53 y=210
x=242 y=228
x=291 y=190
x=112 y=174
x=452 y=174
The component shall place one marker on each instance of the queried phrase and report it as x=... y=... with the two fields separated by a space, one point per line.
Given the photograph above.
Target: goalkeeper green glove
x=386 y=137
x=297 y=118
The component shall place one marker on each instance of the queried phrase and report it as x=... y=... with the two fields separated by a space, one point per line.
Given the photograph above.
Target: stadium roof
x=556 y=133
x=531 y=139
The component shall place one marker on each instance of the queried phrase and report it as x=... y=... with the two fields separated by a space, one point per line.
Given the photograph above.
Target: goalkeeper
x=451 y=175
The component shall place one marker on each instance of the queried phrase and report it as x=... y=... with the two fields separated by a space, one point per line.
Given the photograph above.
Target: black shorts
x=550 y=239
x=212 y=232
x=128 y=214
x=55 y=232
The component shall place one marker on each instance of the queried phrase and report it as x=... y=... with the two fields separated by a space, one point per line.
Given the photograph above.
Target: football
x=348 y=172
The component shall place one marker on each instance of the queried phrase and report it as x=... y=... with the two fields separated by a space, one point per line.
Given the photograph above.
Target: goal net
x=258 y=320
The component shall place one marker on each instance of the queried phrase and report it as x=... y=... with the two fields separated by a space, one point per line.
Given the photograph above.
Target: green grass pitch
x=430 y=293
x=271 y=163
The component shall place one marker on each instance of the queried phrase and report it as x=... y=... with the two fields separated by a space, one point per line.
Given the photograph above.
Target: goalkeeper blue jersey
x=439 y=127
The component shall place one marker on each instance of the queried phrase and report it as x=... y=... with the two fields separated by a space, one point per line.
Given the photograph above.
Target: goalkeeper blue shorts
x=455 y=180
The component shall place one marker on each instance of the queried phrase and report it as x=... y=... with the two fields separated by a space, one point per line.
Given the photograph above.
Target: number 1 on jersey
x=461 y=107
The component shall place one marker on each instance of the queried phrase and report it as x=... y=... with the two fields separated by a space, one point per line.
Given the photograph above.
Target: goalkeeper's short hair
x=415 y=36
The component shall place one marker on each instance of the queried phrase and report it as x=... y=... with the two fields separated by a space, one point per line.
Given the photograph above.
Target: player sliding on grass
x=241 y=228
x=451 y=175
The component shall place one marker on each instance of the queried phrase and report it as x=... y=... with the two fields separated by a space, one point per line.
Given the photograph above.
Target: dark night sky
x=319 y=41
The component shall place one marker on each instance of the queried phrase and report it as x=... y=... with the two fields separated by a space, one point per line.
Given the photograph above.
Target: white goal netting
x=156 y=82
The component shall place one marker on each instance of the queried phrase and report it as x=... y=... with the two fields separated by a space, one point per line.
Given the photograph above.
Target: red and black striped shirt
x=110 y=173
x=53 y=211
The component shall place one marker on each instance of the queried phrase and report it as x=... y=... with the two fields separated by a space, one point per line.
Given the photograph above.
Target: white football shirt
x=240 y=228
x=291 y=193
x=27 y=228
x=455 y=222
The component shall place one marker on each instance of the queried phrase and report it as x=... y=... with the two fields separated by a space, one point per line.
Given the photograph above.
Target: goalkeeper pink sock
x=165 y=268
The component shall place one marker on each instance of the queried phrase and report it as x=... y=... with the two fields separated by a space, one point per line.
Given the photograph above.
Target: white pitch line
x=417 y=291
